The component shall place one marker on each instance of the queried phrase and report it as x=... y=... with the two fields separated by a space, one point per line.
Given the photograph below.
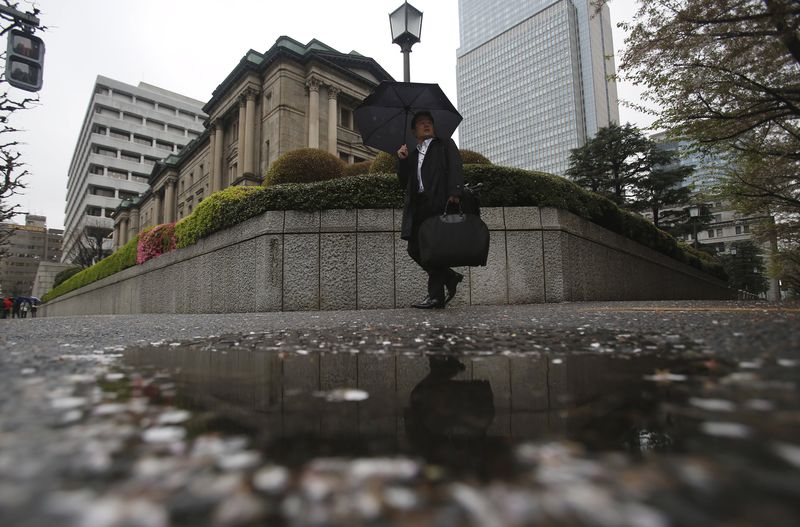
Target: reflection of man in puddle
x=447 y=419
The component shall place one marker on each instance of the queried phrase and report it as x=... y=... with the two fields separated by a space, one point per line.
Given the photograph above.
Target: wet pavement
x=642 y=414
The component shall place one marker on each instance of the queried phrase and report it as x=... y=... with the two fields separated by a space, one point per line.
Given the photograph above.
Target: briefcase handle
x=452 y=218
x=447 y=205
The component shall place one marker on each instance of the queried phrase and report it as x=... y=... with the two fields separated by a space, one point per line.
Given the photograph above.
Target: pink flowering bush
x=155 y=241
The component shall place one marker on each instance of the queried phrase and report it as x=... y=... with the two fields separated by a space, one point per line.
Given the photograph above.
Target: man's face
x=423 y=127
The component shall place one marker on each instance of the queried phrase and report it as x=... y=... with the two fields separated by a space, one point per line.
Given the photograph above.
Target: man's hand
x=402 y=152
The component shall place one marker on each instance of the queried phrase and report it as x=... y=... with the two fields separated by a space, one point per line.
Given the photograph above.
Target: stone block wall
x=355 y=259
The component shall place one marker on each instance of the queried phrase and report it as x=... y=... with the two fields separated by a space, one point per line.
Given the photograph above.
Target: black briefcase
x=453 y=240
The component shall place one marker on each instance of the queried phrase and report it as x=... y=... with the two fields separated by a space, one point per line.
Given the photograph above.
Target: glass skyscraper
x=533 y=79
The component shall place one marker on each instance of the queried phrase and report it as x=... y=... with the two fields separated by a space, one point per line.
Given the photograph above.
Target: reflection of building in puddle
x=414 y=397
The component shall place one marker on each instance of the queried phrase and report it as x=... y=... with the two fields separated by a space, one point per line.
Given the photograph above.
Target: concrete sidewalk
x=72 y=454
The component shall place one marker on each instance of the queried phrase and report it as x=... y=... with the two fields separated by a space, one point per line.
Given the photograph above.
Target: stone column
x=217 y=176
x=242 y=141
x=169 y=200
x=123 y=232
x=333 y=119
x=116 y=235
x=212 y=154
x=133 y=229
x=159 y=206
x=313 y=112
x=250 y=130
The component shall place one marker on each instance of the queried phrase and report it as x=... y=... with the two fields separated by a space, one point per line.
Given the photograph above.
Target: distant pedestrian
x=15 y=309
x=8 y=306
x=34 y=307
x=24 y=306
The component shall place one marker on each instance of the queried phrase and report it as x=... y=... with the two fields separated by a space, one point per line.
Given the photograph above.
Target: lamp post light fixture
x=694 y=212
x=406 y=25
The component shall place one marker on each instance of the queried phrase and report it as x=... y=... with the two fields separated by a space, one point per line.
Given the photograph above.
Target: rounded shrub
x=357 y=169
x=469 y=157
x=383 y=164
x=155 y=241
x=304 y=165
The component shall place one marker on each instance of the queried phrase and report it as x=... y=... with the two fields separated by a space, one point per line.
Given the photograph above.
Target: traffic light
x=24 y=60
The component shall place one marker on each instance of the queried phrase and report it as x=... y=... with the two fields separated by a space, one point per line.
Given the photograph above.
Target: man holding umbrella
x=429 y=167
x=431 y=174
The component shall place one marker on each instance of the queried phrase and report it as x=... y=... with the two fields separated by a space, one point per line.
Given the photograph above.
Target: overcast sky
x=189 y=46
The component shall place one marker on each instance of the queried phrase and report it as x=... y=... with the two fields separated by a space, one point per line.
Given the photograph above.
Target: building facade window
x=346 y=118
x=142 y=140
x=133 y=157
x=131 y=118
x=101 y=191
x=120 y=134
x=163 y=145
x=117 y=174
x=105 y=151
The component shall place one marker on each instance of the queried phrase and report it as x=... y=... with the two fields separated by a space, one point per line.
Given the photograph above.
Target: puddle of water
x=462 y=401
x=476 y=426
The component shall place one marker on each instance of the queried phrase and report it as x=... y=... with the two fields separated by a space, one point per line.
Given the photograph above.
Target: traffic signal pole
x=26 y=19
x=24 y=51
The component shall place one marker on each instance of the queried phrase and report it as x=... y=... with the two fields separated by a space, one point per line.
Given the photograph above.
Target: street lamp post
x=406 y=25
x=694 y=212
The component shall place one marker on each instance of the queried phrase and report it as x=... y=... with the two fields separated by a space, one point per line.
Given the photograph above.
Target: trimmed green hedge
x=502 y=187
x=123 y=258
x=211 y=215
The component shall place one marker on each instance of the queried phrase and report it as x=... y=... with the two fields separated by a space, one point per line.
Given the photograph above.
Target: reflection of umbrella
x=384 y=118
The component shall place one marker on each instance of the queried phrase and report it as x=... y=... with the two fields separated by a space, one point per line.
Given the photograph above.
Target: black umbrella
x=384 y=118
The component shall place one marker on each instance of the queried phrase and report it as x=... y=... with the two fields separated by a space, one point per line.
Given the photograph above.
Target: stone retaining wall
x=355 y=259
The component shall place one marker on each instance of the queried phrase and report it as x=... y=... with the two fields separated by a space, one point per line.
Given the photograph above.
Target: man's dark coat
x=442 y=177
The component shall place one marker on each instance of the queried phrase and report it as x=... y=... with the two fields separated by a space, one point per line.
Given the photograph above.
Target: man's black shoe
x=452 y=284
x=429 y=303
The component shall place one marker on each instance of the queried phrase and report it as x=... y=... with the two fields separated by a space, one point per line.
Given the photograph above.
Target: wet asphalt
x=83 y=440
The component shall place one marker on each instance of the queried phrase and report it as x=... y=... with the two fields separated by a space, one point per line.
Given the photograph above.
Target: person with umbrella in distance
x=432 y=176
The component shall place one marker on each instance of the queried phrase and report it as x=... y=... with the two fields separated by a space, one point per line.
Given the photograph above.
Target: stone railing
x=355 y=259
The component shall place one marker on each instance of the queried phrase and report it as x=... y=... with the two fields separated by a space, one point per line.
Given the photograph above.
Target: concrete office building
x=533 y=79
x=25 y=248
x=291 y=96
x=127 y=129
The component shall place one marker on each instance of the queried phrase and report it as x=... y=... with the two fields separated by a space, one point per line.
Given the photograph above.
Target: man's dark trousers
x=437 y=276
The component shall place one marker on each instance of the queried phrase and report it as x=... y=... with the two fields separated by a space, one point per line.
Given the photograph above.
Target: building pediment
x=352 y=64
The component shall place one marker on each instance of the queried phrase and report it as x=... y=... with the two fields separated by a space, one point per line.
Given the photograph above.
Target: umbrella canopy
x=384 y=118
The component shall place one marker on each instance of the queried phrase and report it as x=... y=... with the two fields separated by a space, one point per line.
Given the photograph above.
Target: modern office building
x=127 y=129
x=24 y=249
x=534 y=79
x=709 y=169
